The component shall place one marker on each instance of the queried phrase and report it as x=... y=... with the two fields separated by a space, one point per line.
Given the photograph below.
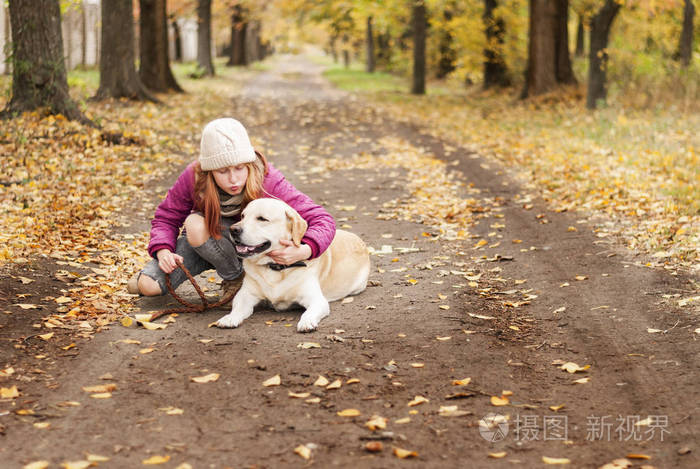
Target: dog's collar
x=278 y=267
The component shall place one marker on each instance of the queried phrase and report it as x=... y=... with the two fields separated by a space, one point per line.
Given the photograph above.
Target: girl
x=207 y=199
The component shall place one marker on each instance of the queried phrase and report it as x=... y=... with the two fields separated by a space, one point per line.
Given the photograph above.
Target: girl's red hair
x=206 y=196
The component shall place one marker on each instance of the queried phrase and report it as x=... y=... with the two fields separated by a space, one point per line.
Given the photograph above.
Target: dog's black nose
x=236 y=233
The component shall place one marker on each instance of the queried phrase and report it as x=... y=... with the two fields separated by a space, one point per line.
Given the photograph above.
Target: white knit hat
x=225 y=143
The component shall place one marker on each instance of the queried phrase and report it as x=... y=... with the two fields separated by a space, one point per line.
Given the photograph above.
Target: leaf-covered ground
x=483 y=301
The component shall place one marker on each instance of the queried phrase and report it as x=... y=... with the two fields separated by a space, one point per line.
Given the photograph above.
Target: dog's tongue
x=241 y=249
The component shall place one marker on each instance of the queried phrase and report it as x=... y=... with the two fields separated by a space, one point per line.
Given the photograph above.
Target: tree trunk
x=252 y=42
x=334 y=50
x=447 y=54
x=548 y=51
x=178 y=41
x=580 y=36
x=564 y=72
x=369 y=42
x=419 y=33
x=39 y=71
x=495 y=70
x=83 y=35
x=383 y=50
x=118 y=76
x=238 y=35
x=685 y=46
x=154 y=69
x=601 y=24
x=346 y=58
x=204 y=58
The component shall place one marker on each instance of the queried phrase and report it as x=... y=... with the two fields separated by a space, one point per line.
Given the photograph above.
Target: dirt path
x=500 y=312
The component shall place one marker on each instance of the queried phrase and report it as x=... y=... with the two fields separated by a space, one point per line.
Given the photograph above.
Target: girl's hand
x=289 y=254
x=166 y=260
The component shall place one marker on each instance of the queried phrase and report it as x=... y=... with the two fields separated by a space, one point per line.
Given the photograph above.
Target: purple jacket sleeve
x=171 y=213
x=321 y=229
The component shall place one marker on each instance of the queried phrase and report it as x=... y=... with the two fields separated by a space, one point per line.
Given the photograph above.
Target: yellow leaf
x=27 y=306
x=461 y=382
x=321 y=381
x=9 y=393
x=42 y=425
x=444 y=339
x=556 y=408
x=37 y=465
x=152 y=326
x=417 y=365
x=481 y=243
x=335 y=384
x=349 y=413
x=172 y=410
x=308 y=345
x=46 y=336
x=638 y=456
x=499 y=401
x=418 y=400
x=572 y=367
x=500 y=455
x=403 y=420
x=76 y=465
x=404 y=453
x=100 y=388
x=548 y=460
x=126 y=321
x=63 y=299
x=69 y=346
x=445 y=307
x=374 y=446
x=580 y=277
x=96 y=458
x=376 y=423
x=299 y=395
x=352 y=381
x=303 y=451
x=206 y=378
x=142 y=317
x=144 y=351
x=154 y=460
x=274 y=381
x=102 y=395
x=313 y=400
x=347 y=300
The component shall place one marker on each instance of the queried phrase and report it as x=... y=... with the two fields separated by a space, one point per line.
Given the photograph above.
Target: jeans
x=219 y=254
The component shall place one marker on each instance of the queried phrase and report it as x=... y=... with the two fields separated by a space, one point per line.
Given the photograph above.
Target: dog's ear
x=297 y=226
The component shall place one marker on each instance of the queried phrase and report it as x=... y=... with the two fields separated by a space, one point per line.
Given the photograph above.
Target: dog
x=342 y=270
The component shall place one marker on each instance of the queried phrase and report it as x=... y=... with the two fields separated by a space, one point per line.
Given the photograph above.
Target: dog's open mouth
x=244 y=250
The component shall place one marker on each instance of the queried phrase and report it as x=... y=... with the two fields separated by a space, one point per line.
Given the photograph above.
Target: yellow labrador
x=340 y=271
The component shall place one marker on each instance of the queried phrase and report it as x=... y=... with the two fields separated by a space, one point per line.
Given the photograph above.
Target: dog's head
x=263 y=223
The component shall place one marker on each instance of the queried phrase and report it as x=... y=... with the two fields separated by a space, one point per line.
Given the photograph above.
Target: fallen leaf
x=42 y=425
x=96 y=458
x=500 y=455
x=335 y=384
x=274 y=381
x=63 y=300
x=129 y=341
x=653 y=331
x=418 y=400
x=480 y=316
x=374 y=446
x=172 y=410
x=349 y=413
x=403 y=420
x=46 y=336
x=499 y=401
x=299 y=395
x=582 y=380
x=303 y=451
x=152 y=326
x=313 y=400
x=100 y=388
x=25 y=280
x=154 y=460
x=101 y=395
x=461 y=382
x=452 y=411
x=445 y=307
x=37 y=465
x=376 y=423
x=581 y=277
x=76 y=465
x=638 y=456
x=206 y=378
x=9 y=393
x=321 y=381
x=443 y=339
x=308 y=345
x=572 y=367
x=548 y=460
x=144 y=351
x=417 y=365
x=404 y=453
x=352 y=381
x=27 y=306
x=556 y=408
x=127 y=321
x=347 y=300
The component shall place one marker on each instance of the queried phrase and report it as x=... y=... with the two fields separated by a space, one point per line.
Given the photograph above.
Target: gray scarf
x=230 y=204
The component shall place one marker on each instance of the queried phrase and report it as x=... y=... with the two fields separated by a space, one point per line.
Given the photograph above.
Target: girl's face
x=231 y=179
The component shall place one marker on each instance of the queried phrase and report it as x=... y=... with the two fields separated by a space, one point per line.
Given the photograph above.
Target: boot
x=231 y=287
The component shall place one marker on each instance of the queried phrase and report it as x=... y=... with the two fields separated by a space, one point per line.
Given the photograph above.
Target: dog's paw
x=230 y=320
x=307 y=324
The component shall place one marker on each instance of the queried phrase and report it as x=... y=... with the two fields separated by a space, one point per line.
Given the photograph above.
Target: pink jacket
x=178 y=204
